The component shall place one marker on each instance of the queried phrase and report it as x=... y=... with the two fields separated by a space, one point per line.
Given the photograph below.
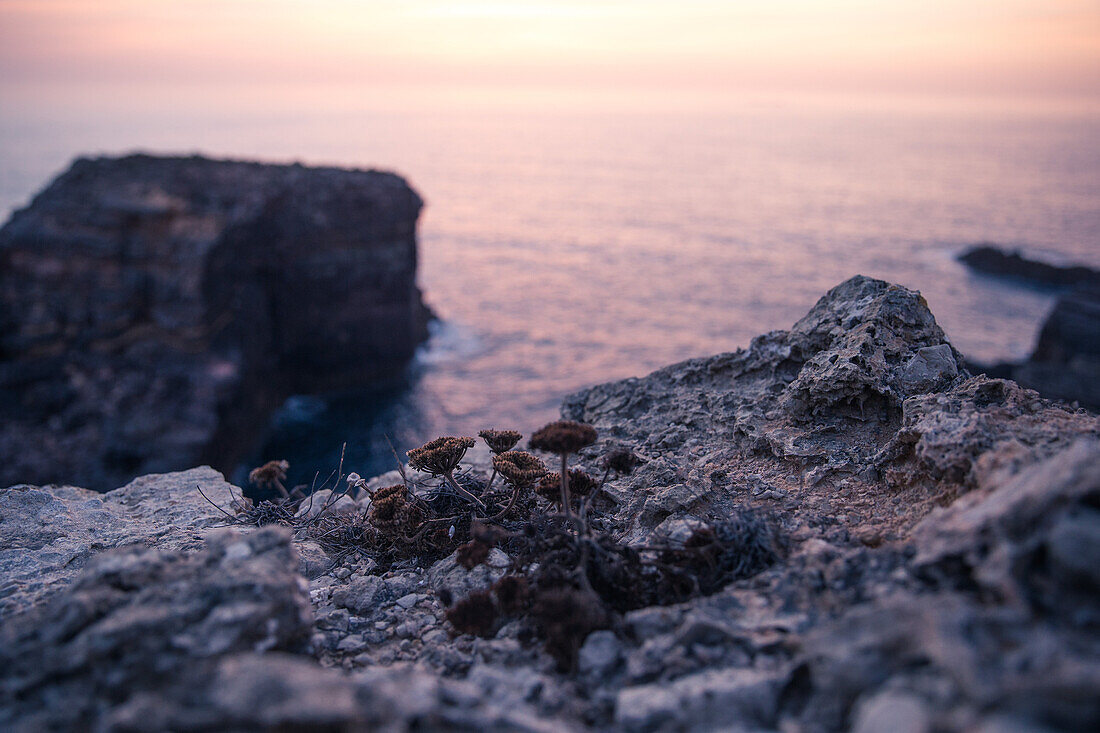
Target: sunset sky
x=938 y=46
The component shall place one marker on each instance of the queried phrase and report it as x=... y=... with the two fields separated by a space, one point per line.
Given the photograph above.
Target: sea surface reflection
x=564 y=247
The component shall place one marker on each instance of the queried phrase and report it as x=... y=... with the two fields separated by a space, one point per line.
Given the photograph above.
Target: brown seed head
x=566 y=616
x=621 y=460
x=550 y=487
x=511 y=592
x=471 y=554
x=519 y=468
x=440 y=456
x=475 y=614
x=269 y=473
x=500 y=441
x=580 y=484
x=386 y=503
x=563 y=436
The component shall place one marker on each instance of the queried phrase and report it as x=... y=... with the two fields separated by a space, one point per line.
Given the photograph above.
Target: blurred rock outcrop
x=153 y=311
x=1065 y=363
x=989 y=259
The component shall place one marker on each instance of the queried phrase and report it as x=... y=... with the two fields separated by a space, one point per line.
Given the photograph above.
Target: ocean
x=566 y=245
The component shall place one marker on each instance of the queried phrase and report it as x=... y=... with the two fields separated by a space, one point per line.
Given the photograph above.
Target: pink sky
x=938 y=46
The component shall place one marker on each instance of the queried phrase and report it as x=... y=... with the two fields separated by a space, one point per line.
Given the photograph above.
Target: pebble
x=435 y=636
x=410 y=600
x=601 y=652
x=352 y=643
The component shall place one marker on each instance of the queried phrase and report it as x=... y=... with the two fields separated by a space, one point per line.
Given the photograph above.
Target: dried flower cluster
x=270 y=475
x=565 y=578
x=389 y=505
x=580 y=484
x=500 y=441
x=519 y=468
x=621 y=460
x=475 y=614
x=471 y=554
x=478 y=613
x=563 y=436
x=441 y=456
x=739 y=546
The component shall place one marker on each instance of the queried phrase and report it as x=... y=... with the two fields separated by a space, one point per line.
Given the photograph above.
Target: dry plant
x=564 y=579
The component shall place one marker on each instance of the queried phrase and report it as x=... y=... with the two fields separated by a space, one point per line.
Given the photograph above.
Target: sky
x=968 y=47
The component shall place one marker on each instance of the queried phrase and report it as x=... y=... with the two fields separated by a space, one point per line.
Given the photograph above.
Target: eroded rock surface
x=942 y=535
x=50 y=533
x=153 y=311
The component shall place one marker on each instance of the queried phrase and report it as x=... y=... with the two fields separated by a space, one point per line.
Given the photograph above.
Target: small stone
x=410 y=600
x=323 y=501
x=892 y=711
x=703 y=701
x=363 y=595
x=352 y=643
x=312 y=560
x=435 y=636
x=335 y=619
x=930 y=367
x=869 y=536
x=600 y=653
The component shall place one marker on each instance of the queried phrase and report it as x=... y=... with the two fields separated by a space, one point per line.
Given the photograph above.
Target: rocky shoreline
x=942 y=535
x=1066 y=358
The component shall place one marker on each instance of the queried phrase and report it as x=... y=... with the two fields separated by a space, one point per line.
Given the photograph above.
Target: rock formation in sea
x=1066 y=359
x=1065 y=363
x=941 y=535
x=990 y=259
x=154 y=310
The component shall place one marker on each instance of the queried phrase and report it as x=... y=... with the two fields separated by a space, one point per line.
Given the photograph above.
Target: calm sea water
x=564 y=247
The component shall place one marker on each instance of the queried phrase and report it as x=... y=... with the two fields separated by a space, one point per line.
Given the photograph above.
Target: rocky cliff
x=1066 y=358
x=941 y=539
x=154 y=310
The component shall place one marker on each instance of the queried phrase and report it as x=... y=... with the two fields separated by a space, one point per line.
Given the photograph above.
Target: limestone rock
x=137 y=618
x=993 y=260
x=934 y=542
x=722 y=699
x=48 y=534
x=979 y=426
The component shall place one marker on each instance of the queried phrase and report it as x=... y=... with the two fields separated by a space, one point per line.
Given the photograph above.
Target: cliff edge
x=154 y=310
x=937 y=540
